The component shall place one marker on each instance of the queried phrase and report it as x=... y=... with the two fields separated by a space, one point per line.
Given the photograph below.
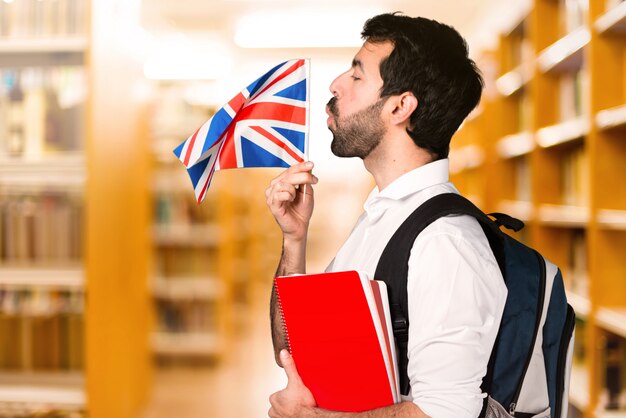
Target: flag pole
x=308 y=118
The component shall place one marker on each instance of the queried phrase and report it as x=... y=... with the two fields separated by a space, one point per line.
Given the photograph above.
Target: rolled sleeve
x=456 y=298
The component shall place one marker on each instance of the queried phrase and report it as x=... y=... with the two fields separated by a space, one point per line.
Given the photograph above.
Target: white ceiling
x=220 y=16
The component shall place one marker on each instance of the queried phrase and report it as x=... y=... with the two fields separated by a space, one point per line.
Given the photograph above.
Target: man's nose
x=334 y=87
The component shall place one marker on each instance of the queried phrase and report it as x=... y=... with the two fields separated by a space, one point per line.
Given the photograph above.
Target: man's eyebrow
x=357 y=63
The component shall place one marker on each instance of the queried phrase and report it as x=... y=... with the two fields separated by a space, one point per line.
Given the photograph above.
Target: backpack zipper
x=540 y=301
x=568 y=329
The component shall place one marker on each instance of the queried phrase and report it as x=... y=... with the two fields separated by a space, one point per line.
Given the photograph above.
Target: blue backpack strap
x=393 y=265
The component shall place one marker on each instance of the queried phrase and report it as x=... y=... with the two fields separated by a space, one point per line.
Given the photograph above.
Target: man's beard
x=358 y=134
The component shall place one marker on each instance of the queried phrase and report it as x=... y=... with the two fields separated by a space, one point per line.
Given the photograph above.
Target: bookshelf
x=208 y=258
x=470 y=159
x=194 y=250
x=73 y=218
x=23 y=394
x=556 y=161
x=514 y=141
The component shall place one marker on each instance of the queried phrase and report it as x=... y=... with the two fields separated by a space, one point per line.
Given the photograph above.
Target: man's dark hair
x=430 y=60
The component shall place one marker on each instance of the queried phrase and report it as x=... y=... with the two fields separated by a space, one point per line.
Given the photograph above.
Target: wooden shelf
x=514 y=81
x=74 y=44
x=187 y=235
x=613 y=21
x=564 y=216
x=187 y=288
x=581 y=304
x=55 y=172
x=516 y=145
x=566 y=54
x=32 y=391
x=29 y=278
x=611 y=219
x=610 y=414
x=612 y=118
x=563 y=132
x=185 y=344
x=612 y=319
x=579 y=387
x=43 y=52
x=517 y=209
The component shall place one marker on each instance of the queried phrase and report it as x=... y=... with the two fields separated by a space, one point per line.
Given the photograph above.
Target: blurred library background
x=121 y=297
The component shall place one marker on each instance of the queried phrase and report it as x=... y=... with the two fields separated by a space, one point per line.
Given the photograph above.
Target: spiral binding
x=282 y=317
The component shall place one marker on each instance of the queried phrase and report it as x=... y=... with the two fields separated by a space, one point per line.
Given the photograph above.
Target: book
x=614 y=362
x=339 y=332
x=577 y=263
x=522 y=174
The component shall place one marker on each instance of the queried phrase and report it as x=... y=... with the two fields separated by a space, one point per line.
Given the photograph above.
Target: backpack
x=528 y=371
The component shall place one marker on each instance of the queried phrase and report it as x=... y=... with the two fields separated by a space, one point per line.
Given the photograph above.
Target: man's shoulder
x=464 y=226
x=461 y=228
x=458 y=237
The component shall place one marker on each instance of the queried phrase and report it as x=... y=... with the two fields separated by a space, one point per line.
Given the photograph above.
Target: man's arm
x=296 y=400
x=400 y=410
x=292 y=261
x=279 y=339
x=290 y=199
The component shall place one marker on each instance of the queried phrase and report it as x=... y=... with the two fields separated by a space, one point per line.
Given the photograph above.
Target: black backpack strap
x=393 y=265
x=509 y=222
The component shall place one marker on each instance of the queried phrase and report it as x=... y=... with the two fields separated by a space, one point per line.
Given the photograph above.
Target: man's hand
x=296 y=399
x=290 y=199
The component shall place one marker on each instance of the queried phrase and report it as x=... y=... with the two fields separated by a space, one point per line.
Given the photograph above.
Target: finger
x=273 y=405
x=280 y=198
x=279 y=186
x=305 y=166
x=284 y=187
x=278 y=193
x=294 y=169
x=301 y=178
x=290 y=368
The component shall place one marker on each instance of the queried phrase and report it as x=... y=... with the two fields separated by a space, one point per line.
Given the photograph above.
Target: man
x=409 y=88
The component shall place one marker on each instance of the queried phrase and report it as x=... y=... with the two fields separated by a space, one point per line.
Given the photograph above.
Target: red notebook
x=340 y=336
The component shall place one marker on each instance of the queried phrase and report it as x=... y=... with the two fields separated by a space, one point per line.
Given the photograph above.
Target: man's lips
x=330 y=116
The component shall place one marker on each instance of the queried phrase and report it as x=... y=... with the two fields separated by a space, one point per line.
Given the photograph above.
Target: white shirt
x=456 y=293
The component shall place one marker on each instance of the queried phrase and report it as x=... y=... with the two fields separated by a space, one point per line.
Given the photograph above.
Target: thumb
x=290 y=367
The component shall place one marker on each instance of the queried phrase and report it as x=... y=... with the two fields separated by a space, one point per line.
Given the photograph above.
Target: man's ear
x=404 y=106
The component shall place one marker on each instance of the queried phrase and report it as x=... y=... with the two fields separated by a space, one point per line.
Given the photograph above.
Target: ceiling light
x=302 y=29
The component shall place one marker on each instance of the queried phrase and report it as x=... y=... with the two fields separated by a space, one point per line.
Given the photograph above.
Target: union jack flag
x=266 y=125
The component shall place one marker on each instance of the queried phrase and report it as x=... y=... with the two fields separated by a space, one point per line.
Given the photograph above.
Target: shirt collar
x=407 y=184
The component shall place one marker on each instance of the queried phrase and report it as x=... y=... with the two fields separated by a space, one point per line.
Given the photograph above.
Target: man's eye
x=355 y=77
